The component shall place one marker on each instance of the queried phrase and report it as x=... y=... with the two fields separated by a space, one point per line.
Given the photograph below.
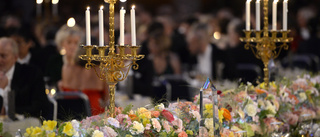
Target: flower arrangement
x=248 y=108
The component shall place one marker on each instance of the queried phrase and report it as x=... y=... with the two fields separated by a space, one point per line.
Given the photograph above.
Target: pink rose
x=167 y=114
x=109 y=132
x=156 y=125
x=292 y=119
x=124 y=120
x=178 y=125
x=182 y=134
x=166 y=126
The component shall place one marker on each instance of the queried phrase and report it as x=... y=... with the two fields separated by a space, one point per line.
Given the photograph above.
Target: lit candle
x=55 y=7
x=122 y=14
x=285 y=15
x=39 y=7
x=258 y=15
x=248 y=15
x=133 y=27
x=88 y=35
x=274 y=15
x=101 y=29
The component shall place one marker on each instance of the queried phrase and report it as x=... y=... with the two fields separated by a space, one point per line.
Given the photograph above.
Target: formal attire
x=206 y=63
x=28 y=85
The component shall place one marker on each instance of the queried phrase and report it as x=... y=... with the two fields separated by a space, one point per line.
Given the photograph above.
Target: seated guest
x=25 y=81
x=207 y=54
x=24 y=41
x=68 y=39
x=74 y=75
x=236 y=54
x=164 y=61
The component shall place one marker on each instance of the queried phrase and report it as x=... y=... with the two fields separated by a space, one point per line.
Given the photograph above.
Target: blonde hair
x=65 y=32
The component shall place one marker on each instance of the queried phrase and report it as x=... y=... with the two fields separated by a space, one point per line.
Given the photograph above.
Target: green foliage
x=127 y=109
x=1 y=129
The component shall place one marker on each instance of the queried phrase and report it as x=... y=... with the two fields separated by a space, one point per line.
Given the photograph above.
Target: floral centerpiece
x=248 y=109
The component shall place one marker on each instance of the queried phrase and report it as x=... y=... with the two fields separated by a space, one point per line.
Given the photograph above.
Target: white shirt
x=204 y=62
x=25 y=60
x=4 y=92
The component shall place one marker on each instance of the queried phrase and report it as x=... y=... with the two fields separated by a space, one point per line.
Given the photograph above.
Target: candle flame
x=248 y=0
x=55 y=1
x=122 y=8
x=39 y=1
x=123 y=0
x=101 y=7
x=285 y=0
x=88 y=8
x=133 y=6
x=276 y=1
x=258 y=0
x=71 y=22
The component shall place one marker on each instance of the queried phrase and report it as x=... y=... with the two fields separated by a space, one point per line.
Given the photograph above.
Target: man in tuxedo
x=207 y=54
x=21 y=85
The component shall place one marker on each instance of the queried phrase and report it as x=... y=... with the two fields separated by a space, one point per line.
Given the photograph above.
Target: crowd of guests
x=46 y=55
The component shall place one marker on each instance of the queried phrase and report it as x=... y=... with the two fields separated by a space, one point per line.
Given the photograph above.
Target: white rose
x=208 y=123
x=302 y=96
x=251 y=110
x=97 y=133
x=271 y=108
x=137 y=128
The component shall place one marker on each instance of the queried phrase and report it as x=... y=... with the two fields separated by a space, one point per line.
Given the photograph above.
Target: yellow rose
x=68 y=129
x=52 y=134
x=36 y=131
x=29 y=130
x=220 y=115
x=143 y=112
x=208 y=112
x=49 y=125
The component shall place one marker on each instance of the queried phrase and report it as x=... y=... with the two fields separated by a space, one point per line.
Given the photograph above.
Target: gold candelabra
x=112 y=66
x=265 y=47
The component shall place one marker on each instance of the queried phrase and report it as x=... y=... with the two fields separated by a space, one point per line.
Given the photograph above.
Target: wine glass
x=306 y=124
x=276 y=132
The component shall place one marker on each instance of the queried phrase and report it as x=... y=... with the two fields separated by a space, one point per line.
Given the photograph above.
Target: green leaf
x=127 y=109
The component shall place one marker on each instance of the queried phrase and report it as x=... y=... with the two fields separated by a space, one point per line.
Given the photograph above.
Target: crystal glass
x=305 y=124
x=276 y=132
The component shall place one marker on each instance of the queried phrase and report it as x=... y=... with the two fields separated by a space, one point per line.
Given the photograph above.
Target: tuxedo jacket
x=216 y=55
x=28 y=85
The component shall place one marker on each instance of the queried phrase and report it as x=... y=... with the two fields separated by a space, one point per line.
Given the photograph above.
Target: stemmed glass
x=306 y=124
x=276 y=132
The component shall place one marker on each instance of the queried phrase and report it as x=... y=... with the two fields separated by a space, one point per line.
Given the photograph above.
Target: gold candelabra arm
x=88 y=56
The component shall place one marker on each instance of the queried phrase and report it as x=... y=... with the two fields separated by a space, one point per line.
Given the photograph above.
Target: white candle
x=122 y=18
x=285 y=15
x=248 y=15
x=55 y=7
x=274 y=15
x=88 y=35
x=133 y=27
x=258 y=15
x=39 y=7
x=101 y=29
